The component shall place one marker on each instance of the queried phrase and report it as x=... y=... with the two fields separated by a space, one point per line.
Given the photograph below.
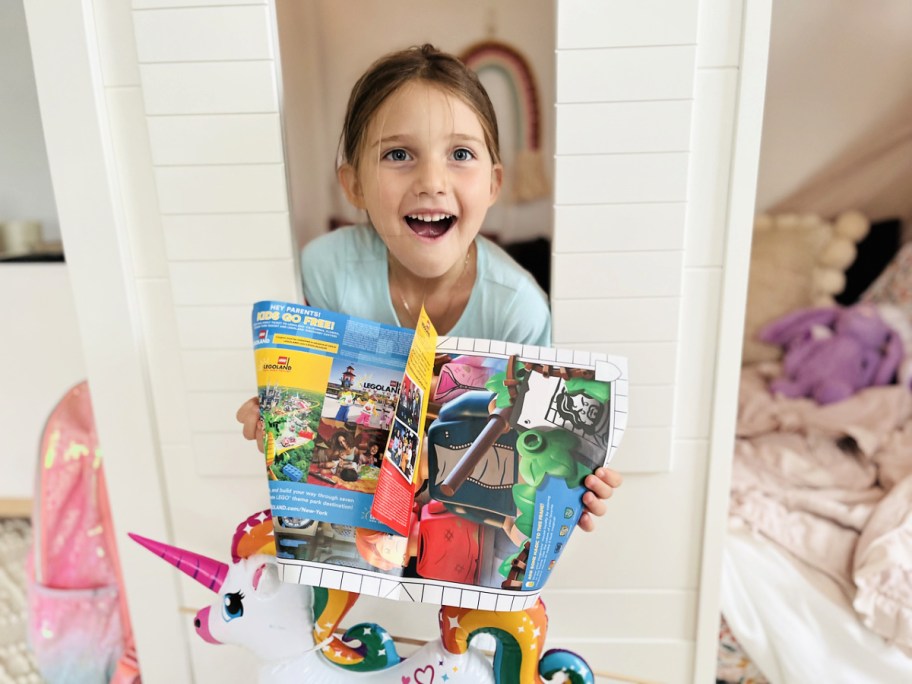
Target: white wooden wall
x=163 y=130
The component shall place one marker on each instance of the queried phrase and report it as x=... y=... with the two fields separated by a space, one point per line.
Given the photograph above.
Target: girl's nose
x=431 y=178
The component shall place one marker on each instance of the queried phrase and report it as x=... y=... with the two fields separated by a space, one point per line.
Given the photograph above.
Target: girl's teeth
x=429 y=217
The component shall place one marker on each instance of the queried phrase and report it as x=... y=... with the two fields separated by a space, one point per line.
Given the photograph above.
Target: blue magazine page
x=328 y=386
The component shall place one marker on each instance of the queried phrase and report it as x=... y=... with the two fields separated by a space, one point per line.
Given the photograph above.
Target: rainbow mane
x=256 y=535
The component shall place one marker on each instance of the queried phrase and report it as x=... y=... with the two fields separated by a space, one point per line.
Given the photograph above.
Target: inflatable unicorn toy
x=292 y=628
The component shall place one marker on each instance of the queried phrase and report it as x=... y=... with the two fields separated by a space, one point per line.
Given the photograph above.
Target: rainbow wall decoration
x=530 y=182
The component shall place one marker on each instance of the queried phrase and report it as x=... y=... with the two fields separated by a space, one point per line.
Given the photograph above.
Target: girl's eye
x=462 y=154
x=398 y=155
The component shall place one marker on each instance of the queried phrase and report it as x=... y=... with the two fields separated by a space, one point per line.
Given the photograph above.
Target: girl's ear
x=348 y=179
x=496 y=182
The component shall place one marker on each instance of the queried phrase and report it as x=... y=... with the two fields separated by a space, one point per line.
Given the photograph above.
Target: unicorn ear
x=266 y=580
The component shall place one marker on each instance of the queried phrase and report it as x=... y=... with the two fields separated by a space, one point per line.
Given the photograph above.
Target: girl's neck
x=444 y=298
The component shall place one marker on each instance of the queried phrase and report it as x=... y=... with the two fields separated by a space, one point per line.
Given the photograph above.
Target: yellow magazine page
x=394 y=499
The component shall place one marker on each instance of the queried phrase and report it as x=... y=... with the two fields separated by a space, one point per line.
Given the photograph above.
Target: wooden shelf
x=15 y=508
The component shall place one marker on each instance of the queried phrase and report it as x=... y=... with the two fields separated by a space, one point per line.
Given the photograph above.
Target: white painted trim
x=77 y=132
x=755 y=33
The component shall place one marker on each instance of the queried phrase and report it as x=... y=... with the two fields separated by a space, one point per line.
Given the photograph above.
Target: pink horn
x=210 y=573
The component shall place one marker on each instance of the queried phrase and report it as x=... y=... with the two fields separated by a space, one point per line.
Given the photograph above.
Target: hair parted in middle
x=421 y=63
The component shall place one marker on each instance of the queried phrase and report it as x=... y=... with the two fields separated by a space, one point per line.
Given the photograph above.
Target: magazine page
x=509 y=431
x=401 y=471
x=328 y=386
x=512 y=432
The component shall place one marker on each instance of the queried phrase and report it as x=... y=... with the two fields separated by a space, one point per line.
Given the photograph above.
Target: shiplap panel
x=221 y=189
x=653 y=405
x=638 y=529
x=219 y=371
x=624 y=74
x=209 y=88
x=161 y=345
x=228 y=501
x=226 y=454
x=214 y=237
x=166 y=4
x=215 y=411
x=140 y=203
x=117 y=53
x=699 y=338
x=623 y=127
x=616 y=274
x=619 y=227
x=622 y=178
x=710 y=165
x=215 y=283
x=214 y=327
x=620 y=613
x=622 y=23
x=652 y=448
x=648 y=363
x=615 y=320
x=223 y=139
x=200 y=34
x=719 y=33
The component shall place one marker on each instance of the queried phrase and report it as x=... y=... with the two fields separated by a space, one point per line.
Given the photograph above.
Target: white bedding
x=795 y=631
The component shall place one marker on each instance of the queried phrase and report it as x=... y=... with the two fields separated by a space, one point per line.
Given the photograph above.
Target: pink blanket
x=833 y=486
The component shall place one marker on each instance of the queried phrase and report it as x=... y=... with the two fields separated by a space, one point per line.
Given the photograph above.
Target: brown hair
x=425 y=63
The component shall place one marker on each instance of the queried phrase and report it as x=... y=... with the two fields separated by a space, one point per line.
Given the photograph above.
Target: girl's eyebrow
x=405 y=138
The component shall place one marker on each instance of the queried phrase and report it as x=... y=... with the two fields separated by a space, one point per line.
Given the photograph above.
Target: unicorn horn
x=210 y=573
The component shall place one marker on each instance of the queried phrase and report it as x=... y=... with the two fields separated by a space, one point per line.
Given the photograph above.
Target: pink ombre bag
x=79 y=627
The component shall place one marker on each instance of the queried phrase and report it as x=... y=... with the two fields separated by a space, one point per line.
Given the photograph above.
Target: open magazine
x=416 y=467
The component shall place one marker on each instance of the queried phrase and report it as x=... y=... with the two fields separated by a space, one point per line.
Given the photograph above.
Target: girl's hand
x=249 y=417
x=601 y=485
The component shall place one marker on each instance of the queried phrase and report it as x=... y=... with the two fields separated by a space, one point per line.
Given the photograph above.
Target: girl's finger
x=598 y=486
x=594 y=504
x=585 y=522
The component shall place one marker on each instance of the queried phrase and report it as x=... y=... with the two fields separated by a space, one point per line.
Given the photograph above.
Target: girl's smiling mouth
x=430 y=225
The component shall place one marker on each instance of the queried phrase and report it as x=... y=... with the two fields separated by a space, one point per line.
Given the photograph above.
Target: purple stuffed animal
x=833 y=352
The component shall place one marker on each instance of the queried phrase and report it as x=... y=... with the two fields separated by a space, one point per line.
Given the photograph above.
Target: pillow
x=797 y=261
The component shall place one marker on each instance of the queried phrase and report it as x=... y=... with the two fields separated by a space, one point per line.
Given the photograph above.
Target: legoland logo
x=382 y=388
x=281 y=364
x=261 y=335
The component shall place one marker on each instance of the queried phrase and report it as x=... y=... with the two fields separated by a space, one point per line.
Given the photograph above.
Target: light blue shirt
x=346 y=271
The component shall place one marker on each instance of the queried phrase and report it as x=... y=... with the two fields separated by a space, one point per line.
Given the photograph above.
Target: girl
x=420 y=155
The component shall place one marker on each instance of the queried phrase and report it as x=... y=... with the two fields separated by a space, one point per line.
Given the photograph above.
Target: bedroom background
x=818 y=562
x=156 y=227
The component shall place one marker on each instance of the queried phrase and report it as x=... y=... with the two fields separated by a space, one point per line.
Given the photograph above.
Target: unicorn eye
x=232 y=606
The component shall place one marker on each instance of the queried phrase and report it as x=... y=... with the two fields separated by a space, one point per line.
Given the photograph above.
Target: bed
x=817 y=573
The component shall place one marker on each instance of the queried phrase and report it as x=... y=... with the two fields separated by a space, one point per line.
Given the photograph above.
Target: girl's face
x=425 y=178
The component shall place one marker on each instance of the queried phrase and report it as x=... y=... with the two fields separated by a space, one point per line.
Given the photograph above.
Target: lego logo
x=283 y=360
x=262 y=334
